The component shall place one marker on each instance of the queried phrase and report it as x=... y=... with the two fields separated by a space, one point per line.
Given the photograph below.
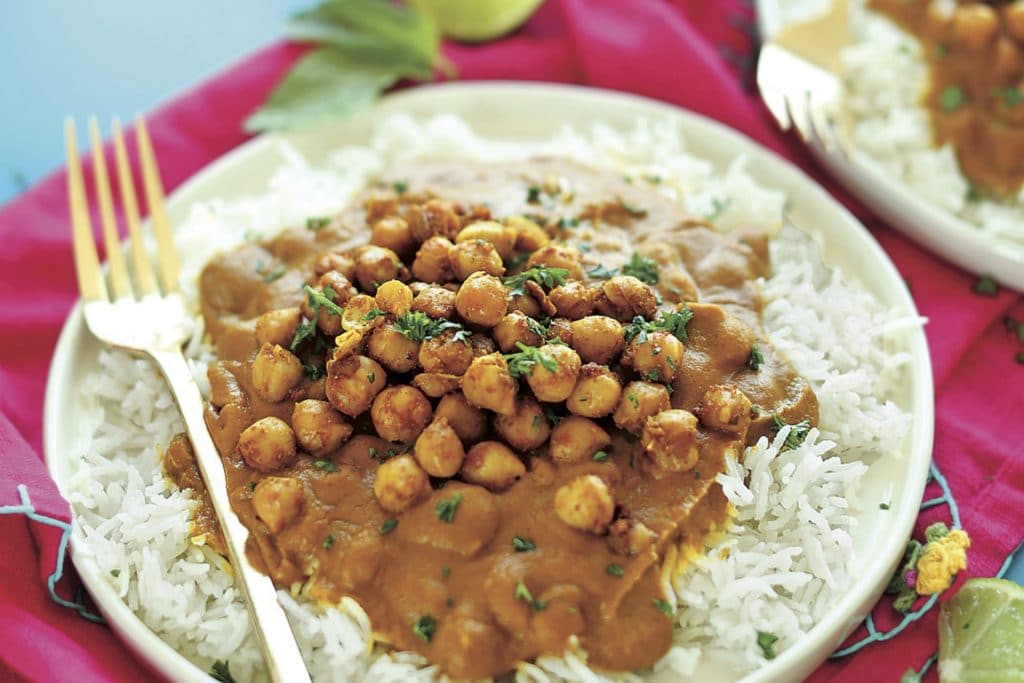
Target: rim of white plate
x=558 y=103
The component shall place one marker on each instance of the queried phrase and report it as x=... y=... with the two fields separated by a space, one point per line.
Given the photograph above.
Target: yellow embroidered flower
x=940 y=561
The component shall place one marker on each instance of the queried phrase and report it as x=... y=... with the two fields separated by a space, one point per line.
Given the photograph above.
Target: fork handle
x=277 y=642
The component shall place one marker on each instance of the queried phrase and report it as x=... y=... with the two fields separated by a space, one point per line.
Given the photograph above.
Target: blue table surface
x=118 y=57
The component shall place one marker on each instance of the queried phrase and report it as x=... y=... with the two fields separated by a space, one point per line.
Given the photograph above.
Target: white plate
x=537 y=111
x=947 y=235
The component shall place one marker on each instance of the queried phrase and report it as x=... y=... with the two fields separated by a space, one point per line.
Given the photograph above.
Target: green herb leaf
x=446 y=571
x=1011 y=97
x=315 y=223
x=634 y=400
x=314 y=372
x=425 y=627
x=324 y=299
x=756 y=359
x=325 y=465
x=634 y=210
x=601 y=456
x=522 y=545
x=533 y=194
x=673 y=322
x=766 y=641
x=374 y=313
x=388 y=526
x=553 y=417
x=951 y=97
x=399 y=186
x=274 y=275
x=538 y=327
x=544 y=276
x=664 y=607
x=797 y=432
x=115 y=573
x=445 y=509
x=718 y=207
x=642 y=268
x=328 y=542
x=522 y=363
x=523 y=593
x=221 y=671
x=566 y=222
x=305 y=330
x=615 y=570
x=418 y=326
x=883 y=506
x=986 y=286
x=601 y=272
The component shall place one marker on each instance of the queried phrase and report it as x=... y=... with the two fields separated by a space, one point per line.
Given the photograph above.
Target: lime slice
x=475 y=21
x=981 y=633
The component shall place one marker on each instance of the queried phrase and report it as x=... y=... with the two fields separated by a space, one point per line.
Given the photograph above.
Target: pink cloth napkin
x=687 y=52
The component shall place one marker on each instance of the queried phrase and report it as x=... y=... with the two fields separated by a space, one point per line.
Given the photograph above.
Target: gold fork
x=796 y=75
x=150 y=318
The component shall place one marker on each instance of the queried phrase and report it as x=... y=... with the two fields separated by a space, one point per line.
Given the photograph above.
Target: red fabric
x=669 y=50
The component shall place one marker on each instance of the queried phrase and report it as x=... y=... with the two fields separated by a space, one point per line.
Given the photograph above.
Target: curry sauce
x=975 y=97
x=479 y=574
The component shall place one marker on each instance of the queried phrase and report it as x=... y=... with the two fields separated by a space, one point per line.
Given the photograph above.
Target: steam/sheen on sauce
x=489 y=425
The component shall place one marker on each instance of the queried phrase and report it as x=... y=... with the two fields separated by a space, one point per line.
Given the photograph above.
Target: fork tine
x=119 y=282
x=798 y=115
x=144 y=277
x=769 y=66
x=87 y=264
x=166 y=253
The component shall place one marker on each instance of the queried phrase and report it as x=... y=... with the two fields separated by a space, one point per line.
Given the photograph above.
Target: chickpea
x=275 y=371
x=481 y=344
x=628 y=536
x=393 y=349
x=392 y=232
x=278 y=326
x=576 y=439
x=343 y=291
x=332 y=260
x=354 y=316
x=502 y=237
x=527 y=428
x=558 y=256
x=318 y=427
x=529 y=235
x=598 y=338
x=655 y=356
x=1007 y=58
x=725 y=407
x=525 y=304
x=624 y=297
x=267 y=444
x=435 y=301
x=433 y=217
x=596 y=393
x=468 y=421
x=436 y=384
x=438 y=449
x=493 y=465
x=670 y=440
x=517 y=327
x=400 y=413
x=433 y=261
x=640 y=400
x=475 y=255
x=443 y=354
x=537 y=293
x=482 y=300
x=399 y=483
x=278 y=501
x=975 y=26
x=379 y=206
x=573 y=300
x=1013 y=17
x=393 y=297
x=375 y=265
x=353 y=382
x=560 y=328
x=554 y=385
x=585 y=503
x=488 y=384
x=348 y=343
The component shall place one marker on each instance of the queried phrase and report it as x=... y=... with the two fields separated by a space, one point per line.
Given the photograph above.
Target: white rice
x=885 y=76
x=779 y=569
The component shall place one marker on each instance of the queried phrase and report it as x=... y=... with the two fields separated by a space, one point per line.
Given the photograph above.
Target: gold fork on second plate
x=797 y=77
x=150 y=318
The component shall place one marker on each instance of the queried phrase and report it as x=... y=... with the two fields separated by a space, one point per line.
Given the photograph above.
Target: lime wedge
x=475 y=21
x=981 y=633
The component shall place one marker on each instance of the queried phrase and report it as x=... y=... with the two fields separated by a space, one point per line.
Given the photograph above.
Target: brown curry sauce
x=466 y=576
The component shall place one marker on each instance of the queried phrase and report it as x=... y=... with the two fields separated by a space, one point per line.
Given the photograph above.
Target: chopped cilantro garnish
x=602 y=272
x=986 y=286
x=523 y=593
x=418 y=326
x=314 y=372
x=221 y=671
x=634 y=210
x=642 y=268
x=797 y=432
x=115 y=573
x=756 y=359
x=614 y=570
x=538 y=327
x=399 y=186
x=274 y=275
x=653 y=375
x=425 y=627
x=522 y=363
x=522 y=545
x=373 y=313
x=883 y=506
x=324 y=299
x=673 y=322
x=325 y=465
x=553 y=417
x=568 y=222
x=1011 y=97
x=718 y=207
x=388 y=526
x=601 y=456
x=951 y=97
x=766 y=641
x=315 y=223
x=533 y=194
x=542 y=275
x=634 y=400
x=446 y=571
x=371 y=377
x=445 y=509
x=328 y=542
x=664 y=607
